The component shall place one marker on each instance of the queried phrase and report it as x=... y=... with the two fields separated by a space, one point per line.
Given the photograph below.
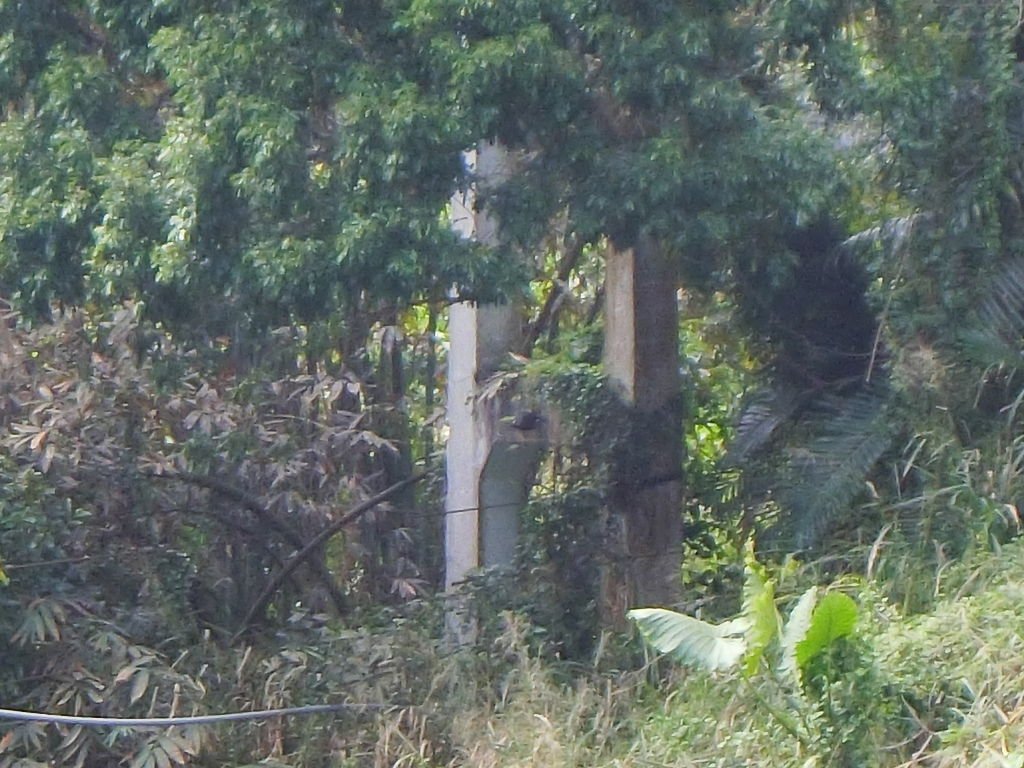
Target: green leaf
x=759 y=611
x=796 y=630
x=690 y=640
x=833 y=618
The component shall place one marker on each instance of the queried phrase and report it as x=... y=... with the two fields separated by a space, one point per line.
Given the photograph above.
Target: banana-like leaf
x=796 y=630
x=834 y=617
x=692 y=641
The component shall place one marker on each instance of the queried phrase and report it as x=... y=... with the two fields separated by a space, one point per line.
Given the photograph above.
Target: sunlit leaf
x=139 y=685
x=173 y=749
x=71 y=737
x=759 y=610
x=796 y=630
x=160 y=756
x=125 y=674
x=834 y=617
x=690 y=640
x=144 y=758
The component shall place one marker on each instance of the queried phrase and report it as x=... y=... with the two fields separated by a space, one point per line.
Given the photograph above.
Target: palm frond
x=892 y=235
x=764 y=413
x=824 y=475
x=995 y=338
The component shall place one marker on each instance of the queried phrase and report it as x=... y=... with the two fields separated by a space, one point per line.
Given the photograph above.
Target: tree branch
x=331 y=530
x=565 y=267
x=254 y=505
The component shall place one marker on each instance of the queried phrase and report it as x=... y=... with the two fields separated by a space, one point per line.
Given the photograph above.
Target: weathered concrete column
x=641 y=358
x=480 y=338
x=489 y=465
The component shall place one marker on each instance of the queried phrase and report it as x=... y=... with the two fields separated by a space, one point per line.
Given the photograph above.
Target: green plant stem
x=788 y=723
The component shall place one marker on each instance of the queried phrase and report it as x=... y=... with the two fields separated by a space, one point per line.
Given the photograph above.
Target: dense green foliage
x=225 y=262
x=239 y=167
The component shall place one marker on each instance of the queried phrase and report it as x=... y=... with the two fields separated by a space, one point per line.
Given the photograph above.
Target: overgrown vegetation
x=226 y=262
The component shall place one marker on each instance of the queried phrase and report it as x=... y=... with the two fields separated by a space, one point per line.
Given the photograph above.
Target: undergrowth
x=941 y=688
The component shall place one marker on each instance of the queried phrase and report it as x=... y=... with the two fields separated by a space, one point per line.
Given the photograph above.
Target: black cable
x=166 y=722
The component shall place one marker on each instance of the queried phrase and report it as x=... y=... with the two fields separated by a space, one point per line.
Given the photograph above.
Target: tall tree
x=246 y=164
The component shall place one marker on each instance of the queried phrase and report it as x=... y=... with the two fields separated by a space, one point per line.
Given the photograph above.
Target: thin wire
x=167 y=722
x=420 y=514
x=424 y=514
x=412 y=513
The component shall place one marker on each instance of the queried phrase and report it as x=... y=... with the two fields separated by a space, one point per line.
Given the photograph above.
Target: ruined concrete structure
x=491 y=458
x=490 y=463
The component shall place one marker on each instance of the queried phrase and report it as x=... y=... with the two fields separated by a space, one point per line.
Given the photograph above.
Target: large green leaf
x=690 y=640
x=834 y=617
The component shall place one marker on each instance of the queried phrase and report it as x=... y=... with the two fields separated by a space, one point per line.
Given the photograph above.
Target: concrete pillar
x=480 y=336
x=489 y=465
x=641 y=359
